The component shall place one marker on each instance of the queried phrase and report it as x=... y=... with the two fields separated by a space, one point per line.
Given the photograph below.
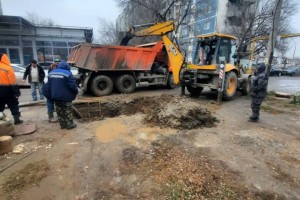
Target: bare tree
x=36 y=19
x=108 y=33
x=257 y=22
x=180 y=11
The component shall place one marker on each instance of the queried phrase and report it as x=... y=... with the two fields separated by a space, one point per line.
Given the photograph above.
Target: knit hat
x=261 y=68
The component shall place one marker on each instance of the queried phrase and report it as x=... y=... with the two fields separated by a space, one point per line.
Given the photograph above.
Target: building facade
x=23 y=41
x=211 y=16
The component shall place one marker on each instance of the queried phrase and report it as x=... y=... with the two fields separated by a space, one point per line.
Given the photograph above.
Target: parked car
x=276 y=71
x=291 y=71
x=19 y=72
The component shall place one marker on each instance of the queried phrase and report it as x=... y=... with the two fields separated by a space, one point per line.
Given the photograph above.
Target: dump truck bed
x=96 y=57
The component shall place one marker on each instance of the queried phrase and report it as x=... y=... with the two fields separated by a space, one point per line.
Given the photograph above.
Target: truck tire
x=101 y=85
x=170 y=82
x=230 y=85
x=126 y=83
x=195 y=92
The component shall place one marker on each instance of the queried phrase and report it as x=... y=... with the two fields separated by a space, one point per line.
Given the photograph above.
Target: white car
x=19 y=72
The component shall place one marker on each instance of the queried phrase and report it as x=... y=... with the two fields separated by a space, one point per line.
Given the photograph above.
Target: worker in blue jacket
x=62 y=89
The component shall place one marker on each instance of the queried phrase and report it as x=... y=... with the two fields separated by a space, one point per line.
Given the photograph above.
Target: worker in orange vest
x=9 y=90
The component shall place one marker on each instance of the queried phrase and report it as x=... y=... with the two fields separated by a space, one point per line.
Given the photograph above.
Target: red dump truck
x=104 y=67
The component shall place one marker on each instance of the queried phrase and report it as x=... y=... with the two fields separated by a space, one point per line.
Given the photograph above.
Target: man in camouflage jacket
x=258 y=91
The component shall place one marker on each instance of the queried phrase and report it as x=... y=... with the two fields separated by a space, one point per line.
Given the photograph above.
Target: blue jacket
x=61 y=85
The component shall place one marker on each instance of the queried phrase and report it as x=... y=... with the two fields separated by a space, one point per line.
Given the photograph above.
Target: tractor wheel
x=101 y=85
x=170 y=83
x=230 y=85
x=194 y=91
x=246 y=87
x=126 y=83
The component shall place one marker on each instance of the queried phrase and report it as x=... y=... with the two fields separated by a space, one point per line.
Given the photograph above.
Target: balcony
x=243 y=2
x=234 y=20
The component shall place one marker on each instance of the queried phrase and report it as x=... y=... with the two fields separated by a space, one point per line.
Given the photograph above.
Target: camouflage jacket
x=259 y=86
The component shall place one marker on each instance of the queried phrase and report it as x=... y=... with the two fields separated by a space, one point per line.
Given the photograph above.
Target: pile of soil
x=181 y=113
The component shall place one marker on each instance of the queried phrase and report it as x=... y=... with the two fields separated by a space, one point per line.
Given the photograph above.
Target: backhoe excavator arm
x=160 y=29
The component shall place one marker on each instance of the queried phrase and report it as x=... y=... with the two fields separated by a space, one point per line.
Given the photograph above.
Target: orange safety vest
x=7 y=74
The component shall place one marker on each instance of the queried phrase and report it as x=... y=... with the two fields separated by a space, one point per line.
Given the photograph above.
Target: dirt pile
x=181 y=113
x=163 y=111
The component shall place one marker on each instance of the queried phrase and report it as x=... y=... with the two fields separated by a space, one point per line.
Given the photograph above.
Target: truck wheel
x=126 y=83
x=194 y=91
x=101 y=85
x=170 y=83
x=230 y=85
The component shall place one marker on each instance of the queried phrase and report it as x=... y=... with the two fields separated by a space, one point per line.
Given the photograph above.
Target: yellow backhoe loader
x=214 y=55
x=214 y=66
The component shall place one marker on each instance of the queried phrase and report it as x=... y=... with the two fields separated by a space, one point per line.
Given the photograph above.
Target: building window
x=26 y=43
x=12 y=42
x=61 y=53
x=198 y=14
x=27 y=54
x=72 y=44
x=43 y=43
x=3 y=50
x=198 y=29
x=14 y=56
x=184 y=32
x=207 y=25
x=44 y=54
x=59 y=44
x=207 y=9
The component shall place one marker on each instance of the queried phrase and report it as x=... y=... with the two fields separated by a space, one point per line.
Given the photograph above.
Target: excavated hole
x=163 y=111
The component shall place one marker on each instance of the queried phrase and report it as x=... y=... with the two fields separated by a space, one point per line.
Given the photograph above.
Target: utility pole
x=273 y=34
x=1 y=12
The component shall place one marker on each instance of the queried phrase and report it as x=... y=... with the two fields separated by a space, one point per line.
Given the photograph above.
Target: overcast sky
x=86 y=13
x=82 y=13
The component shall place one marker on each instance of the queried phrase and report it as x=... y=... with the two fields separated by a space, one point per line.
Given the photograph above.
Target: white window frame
x=208 y=9
x=207 y=25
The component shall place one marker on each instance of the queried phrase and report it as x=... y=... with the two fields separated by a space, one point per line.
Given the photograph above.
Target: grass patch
x=29 y=176
x=271 y=93
x=270 y=109
x=275 y=105
x=182 y=175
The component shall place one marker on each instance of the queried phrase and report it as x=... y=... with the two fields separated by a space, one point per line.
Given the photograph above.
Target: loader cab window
x=226 y=51
x=205 y=52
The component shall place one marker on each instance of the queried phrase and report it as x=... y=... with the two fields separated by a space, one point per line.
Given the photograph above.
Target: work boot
x=51 y=117
x=72 y=126
x=253 y=118
x=17 y=119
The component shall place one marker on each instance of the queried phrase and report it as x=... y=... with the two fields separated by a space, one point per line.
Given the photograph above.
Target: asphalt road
x=285 y=84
